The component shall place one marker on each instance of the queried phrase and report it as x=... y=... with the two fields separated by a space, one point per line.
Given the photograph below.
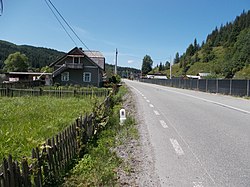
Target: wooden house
x=78 y=67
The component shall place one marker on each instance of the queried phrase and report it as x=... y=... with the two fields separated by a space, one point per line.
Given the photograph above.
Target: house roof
x=95 y=56
x=28 y=73
x=204 y=74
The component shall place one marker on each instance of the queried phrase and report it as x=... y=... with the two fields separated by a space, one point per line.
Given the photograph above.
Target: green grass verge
x=26 y=122
x=99 y=165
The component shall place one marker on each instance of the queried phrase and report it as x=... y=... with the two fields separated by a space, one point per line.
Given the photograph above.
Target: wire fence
x=223 y=86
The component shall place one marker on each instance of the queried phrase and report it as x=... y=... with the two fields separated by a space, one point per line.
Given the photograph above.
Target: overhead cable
x=60 y=22
x=69 y=26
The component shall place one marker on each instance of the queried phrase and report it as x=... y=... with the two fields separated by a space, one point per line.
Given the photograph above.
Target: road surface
x=198 y=139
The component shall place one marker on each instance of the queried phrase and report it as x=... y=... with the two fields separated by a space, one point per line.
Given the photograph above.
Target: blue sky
x=158 y=28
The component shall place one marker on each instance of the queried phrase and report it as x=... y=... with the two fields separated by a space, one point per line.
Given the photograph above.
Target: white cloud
x=80 y=30
x=130 y=61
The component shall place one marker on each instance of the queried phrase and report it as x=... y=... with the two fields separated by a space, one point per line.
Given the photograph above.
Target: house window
x=76 y=60
x=86 y=77
x=65 y=76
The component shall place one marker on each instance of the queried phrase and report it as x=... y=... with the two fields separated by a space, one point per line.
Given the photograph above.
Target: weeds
x=99 y=165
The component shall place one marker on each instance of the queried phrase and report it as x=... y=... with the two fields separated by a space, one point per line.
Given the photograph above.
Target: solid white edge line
x=197 y=158
x=209 y=101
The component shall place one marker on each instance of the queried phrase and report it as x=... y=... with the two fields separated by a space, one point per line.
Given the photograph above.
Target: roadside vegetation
x=224 y=54
x=26 y=122
x=100 y=164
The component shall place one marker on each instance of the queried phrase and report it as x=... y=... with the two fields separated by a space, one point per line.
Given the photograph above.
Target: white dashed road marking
x=163 y=124
x=148 y=101
x=197 y=184
x=156 y=112
x=152 y=106
x=177 y=147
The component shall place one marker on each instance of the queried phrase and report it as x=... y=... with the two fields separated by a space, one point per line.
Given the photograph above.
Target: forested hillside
x=38 y=57
x=122 y=71
x=224 y=54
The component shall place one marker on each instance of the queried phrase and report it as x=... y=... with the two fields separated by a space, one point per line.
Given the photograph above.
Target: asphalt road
x=198 y=139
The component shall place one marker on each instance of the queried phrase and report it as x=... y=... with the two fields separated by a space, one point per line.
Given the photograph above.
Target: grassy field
x=26 y=122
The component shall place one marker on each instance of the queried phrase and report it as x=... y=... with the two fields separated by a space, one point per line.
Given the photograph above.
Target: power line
x=69 y=26
x=60 y=23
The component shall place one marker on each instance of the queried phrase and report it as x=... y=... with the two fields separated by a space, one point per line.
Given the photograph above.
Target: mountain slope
x=225 y=52
x=38 y=56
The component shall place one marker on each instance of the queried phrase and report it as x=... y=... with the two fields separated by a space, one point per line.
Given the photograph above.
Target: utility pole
x=170 y=68
x=116 y=54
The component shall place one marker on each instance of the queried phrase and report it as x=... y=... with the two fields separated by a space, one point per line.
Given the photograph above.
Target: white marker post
x=122 y=116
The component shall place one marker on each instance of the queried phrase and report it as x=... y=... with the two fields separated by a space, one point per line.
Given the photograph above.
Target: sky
x=158 y=28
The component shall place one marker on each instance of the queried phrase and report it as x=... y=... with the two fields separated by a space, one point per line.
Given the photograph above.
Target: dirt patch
x=138 y=168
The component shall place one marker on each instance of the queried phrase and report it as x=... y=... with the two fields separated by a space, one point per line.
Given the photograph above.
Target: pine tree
x=177 y=58
x=196 y=46
x=160 y=67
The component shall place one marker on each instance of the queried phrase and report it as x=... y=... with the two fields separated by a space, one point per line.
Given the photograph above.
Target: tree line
x=28 y=58
x=35 y=57
x=224 y=54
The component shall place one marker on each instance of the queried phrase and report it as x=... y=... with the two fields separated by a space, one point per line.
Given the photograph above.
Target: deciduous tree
x=16 y=62
x=146 y=64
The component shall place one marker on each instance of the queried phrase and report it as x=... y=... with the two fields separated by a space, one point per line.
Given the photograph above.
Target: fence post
x=25 y=173
x=217 y=85
x=206 y=84
x=11 y=170
x=248 y=87
x=6 y=173
x=40 y=91
x=36 y=168
x=230 y=89
x=8 y=92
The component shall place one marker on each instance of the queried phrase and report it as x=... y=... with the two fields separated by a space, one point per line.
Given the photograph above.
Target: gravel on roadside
x=137 y=154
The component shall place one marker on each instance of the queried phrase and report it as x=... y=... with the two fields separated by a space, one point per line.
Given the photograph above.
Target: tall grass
x=100 y=164
x=26 y=122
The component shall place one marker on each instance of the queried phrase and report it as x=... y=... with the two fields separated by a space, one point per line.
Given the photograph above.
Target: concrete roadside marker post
x=122 y=116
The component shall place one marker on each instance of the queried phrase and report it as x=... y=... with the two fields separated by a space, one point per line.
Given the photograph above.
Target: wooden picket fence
x=53 y=159
x=17 y=92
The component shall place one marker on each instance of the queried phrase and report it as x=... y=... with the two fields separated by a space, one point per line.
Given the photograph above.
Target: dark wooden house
x=78 y=67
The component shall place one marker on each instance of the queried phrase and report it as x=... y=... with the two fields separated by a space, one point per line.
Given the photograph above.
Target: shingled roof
x=95 y=56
